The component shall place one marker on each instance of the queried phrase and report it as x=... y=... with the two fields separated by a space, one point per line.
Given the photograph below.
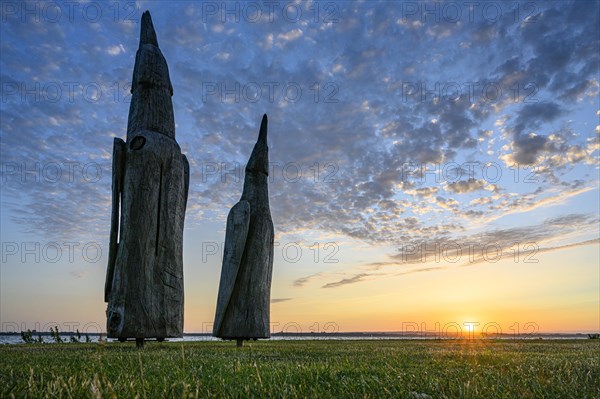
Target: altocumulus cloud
x=375 y=93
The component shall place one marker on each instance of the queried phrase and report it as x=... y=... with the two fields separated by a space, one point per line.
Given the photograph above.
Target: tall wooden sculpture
x=245 y=287
x=144 y=280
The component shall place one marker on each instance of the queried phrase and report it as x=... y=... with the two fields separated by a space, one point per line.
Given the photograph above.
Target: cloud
x=561 y=247
x=466 y=186
x=424 y=192
x=302 y=281
x=291 y=35
x=78 y=273
x=278 y=300
x=492 y=245
x=346 y=281
x=115 y=50
x=529 y=202
x=447 y=203
x=421 y=270
x=349 y=137
x=488 y=247
x=532 y=116
x=375 y=266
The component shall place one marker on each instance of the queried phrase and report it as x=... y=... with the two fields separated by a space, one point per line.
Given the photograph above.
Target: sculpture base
x=239 y=342
x=140 y=341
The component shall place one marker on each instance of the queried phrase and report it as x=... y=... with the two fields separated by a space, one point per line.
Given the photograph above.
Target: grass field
x=317 y=369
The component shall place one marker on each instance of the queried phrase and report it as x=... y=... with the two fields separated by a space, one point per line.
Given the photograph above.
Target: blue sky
x=393 y=126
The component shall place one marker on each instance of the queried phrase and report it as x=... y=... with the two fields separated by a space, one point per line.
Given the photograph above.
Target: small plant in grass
x=77 y=337
x=26 y=337
x=593 y=336
x=55 y=334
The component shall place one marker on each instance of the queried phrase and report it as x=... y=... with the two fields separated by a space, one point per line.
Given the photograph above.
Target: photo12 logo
x=291 y=252
x=210 y=11
x=468 y=11
x=289 y=172
x=91 y=327
x=70 y=92
x=290 y=327
x=454 y=172
x=469 y=330
x=50 y=172
x=454 y=252
x=50 y=252
x=473 y=92
x=272 y=92
x=69 y=11
x=270 y=11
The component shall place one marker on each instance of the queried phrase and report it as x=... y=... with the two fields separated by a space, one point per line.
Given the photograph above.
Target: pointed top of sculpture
x=262 y=135
x=151 y=107
x=147 y=32
x=259 y=159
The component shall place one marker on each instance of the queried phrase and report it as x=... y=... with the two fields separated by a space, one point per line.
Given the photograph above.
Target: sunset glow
x=428 y=175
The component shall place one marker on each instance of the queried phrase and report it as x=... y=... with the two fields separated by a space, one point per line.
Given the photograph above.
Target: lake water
x=16 y=338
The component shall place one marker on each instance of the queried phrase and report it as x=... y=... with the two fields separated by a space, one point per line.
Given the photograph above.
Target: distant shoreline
x=353 y=335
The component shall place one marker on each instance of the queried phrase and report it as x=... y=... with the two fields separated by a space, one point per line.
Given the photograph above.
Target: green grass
x=317 y=369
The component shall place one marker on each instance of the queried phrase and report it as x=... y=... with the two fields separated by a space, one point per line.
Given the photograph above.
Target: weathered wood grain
x=144 y=286
x=243 y=303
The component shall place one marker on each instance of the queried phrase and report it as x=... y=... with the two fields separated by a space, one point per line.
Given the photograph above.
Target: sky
x=432 y=164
